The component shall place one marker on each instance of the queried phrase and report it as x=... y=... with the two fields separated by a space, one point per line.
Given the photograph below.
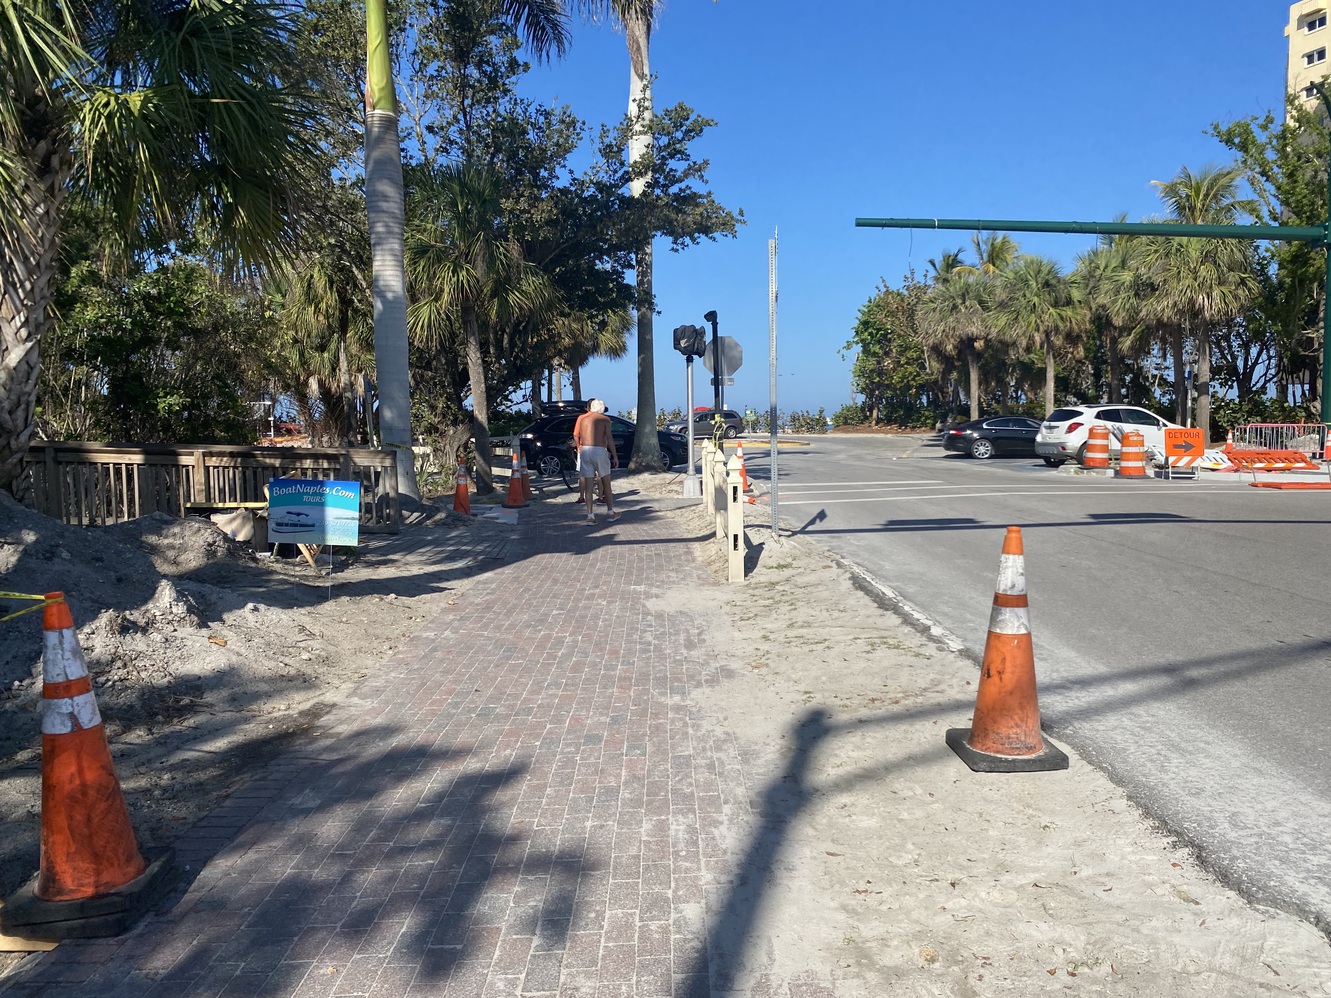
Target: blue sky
x=879 y=108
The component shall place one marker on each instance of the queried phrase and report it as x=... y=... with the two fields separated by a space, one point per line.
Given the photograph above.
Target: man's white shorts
x=593 y=462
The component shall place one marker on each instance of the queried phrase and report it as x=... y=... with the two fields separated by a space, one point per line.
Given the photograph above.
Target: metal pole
x=717 y=394
x=692 y=486
x=771 y=371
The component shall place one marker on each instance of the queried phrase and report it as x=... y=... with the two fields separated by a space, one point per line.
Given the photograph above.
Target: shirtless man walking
x=596 y=456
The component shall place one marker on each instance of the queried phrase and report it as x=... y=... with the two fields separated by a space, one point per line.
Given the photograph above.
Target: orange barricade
x=1097 y=447
x=1004 y=736
x=1271 y=460
x=1132 y=457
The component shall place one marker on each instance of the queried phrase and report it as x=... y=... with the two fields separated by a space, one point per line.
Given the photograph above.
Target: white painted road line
x=933 y=496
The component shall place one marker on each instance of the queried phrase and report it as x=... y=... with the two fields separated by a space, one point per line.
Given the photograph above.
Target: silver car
x=703 y=423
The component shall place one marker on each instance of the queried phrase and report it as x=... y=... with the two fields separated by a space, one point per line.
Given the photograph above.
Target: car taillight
x=1074 y=427
x=954 y=433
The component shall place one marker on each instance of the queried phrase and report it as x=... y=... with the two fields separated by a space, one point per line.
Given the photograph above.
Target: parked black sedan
x=546 y=443
x=983 y=438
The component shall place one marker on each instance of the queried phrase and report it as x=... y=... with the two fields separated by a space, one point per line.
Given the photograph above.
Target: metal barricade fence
x=1310 y=438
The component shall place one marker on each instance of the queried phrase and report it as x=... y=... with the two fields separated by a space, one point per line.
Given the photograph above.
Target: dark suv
x=548 y=443
x=703 y=423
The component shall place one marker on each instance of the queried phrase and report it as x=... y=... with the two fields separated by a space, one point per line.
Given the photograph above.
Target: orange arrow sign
x=1184 y=446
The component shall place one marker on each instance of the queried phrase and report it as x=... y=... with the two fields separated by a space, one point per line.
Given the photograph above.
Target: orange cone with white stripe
x=526 y=474
x=461 y=491
x=92 y=880
x=1004 y=736
x=743 y=475
x=515 y=500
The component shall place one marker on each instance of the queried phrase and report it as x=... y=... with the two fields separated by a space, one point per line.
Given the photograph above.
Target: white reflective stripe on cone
x=62 y=658
x=1010 y=620
x=76 y=713
x=1011 y=574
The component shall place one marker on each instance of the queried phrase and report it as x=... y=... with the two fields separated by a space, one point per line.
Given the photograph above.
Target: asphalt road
x=1182 y=631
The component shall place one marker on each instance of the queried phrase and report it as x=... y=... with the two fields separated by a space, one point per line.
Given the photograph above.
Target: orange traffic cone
x=1229 y=441
x=461 y=494
x=1004 y=736
x=92 y=879
x=743 y=475
x=515 y=500
x=526 y=474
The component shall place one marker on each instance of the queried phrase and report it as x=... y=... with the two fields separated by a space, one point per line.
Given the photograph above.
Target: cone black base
x=24 y=914
x=958 y=739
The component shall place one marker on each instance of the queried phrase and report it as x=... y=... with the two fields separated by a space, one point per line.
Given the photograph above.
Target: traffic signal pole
x=1317 y=235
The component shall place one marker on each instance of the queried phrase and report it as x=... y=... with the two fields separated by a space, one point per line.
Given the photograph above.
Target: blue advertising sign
x=313 y=511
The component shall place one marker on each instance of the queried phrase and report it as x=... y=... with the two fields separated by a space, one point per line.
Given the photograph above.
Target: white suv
x=1062 y=435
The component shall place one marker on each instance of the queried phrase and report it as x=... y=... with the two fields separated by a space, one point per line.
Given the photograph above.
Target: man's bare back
x=593 y=430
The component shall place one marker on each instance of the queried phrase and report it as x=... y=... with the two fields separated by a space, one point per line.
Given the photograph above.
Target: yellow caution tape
x=41 y=605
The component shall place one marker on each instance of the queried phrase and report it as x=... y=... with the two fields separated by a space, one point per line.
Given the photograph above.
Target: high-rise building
x=1309 y=41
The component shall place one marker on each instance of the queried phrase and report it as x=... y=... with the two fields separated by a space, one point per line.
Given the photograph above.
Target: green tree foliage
x=1285 y=163
x=890 y=368
x=174 y=356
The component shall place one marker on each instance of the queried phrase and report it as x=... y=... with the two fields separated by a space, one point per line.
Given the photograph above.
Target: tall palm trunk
x=347 y=431
x=638 y=31
x=1180 y=376
x=1204 y=383
x=973 y=365
x=28 y=248
x=1049 y=388
x=480 y=402
x=384 y=205
x=1115 y=365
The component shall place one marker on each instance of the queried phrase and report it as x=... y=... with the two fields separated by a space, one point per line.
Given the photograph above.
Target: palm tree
x=637 y=18
x=1200 y=284
x=948 y=264
x=468 y=274
x=954 y=321
x=170 y=116
x=542 y=25
x=995 y=252
x=1107 y=281
x=1035 y=308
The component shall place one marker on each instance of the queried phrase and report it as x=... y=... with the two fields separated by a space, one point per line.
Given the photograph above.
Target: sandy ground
x=880 y=855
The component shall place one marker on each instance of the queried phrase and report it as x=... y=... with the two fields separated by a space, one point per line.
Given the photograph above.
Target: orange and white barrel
x=1097 y=447
x=1132 y=458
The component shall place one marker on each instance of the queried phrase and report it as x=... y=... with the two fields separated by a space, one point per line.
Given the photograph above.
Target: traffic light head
x=690 y=340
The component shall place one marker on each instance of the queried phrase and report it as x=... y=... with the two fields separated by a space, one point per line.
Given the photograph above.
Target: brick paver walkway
x=522 y=802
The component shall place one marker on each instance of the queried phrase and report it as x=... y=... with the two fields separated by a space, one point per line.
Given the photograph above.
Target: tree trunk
x=1115 y=365
x=973 y=365
x=1204 y=384
x=480 y=403
x=638 y=34
x=347 y=431
x=1180 y=379
x=646 y=448
x=575 y=383
x=27 y=276
x=385 y=210
x=1048 y=374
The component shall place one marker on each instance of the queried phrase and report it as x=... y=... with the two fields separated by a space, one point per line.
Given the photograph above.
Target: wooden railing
x=90 y=484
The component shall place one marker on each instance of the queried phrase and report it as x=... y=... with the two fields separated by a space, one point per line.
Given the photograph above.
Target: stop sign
x=732 y=356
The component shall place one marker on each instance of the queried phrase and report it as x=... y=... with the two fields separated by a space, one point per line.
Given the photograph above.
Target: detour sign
x=1184 y=448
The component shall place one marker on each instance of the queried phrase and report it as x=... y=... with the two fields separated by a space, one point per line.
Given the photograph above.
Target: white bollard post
x=734 y=522
x=708 y=491
x=719 y=477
